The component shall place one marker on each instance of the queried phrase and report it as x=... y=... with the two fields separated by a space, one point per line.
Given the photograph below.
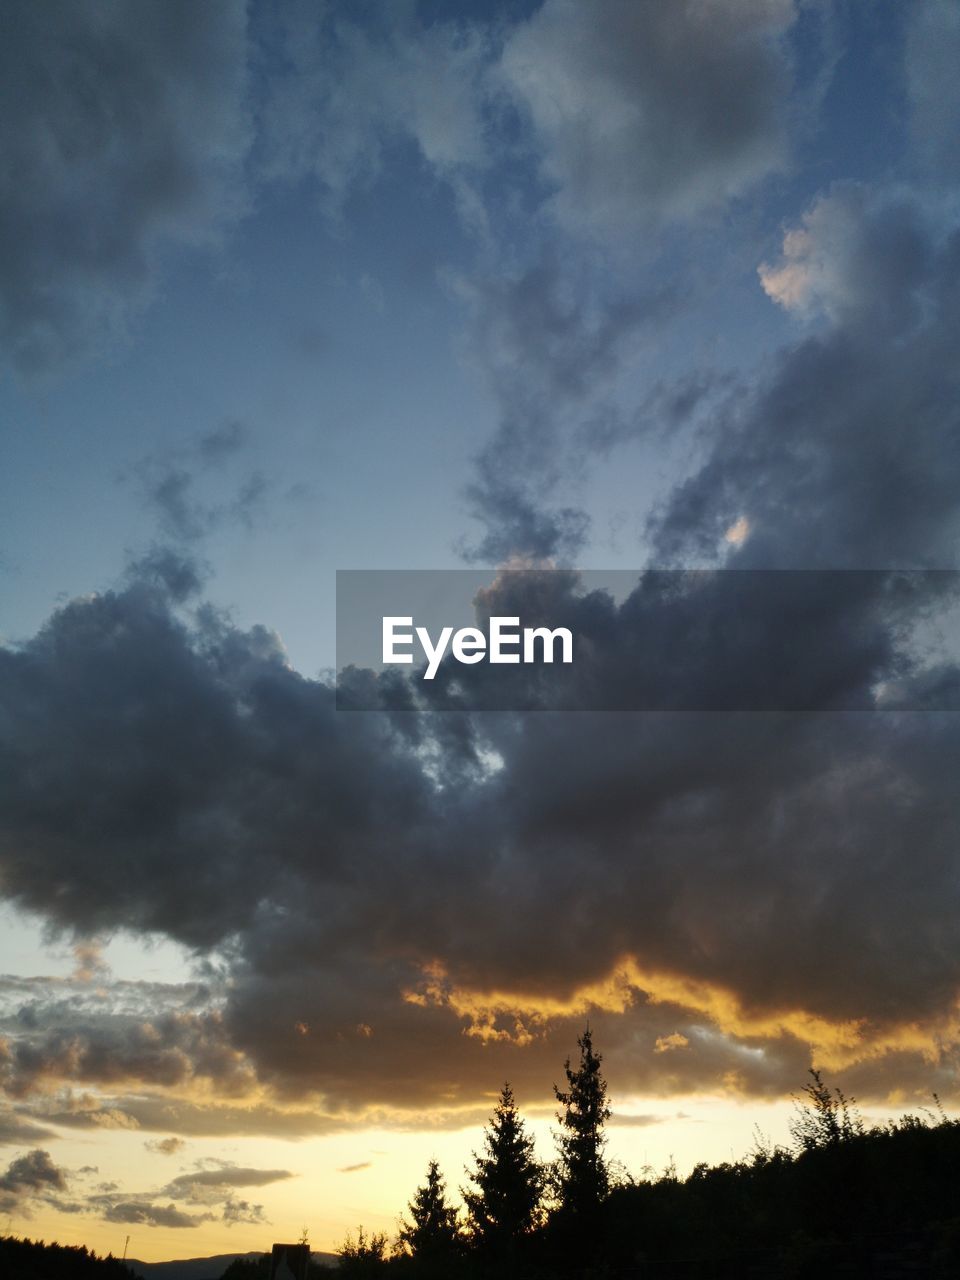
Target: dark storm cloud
x=124 y=131
x=641 y=110
x=847 y=455
x=236 y=729
x=410 y=909
x=177 y=776
x=170 y=572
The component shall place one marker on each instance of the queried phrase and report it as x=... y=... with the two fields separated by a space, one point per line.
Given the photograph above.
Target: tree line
x=512 y=1199
x=844 y=1200
x=41 y=1261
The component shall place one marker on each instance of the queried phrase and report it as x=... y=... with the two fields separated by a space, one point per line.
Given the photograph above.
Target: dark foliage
x=259 y=1269
x=848 y=1201
x=364 y=1256
x=582 y=1177
x=503 y=1205
x=431 y=1235
x=248 y=1269
x=826 y=1118
x=871 y=1203
x=42 y=1261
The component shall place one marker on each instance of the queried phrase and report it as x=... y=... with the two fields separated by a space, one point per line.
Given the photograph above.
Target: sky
x=293 y=288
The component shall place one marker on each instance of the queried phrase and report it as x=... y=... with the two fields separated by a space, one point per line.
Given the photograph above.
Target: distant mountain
x=201 y=1268
x=188 y=1268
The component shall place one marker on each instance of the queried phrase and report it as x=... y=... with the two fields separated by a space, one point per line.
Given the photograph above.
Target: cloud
x=628 y=1121
x=188 y=1185
x=89 y=962
x=29 y=1177
x=32 y=1172
x=550 y=342
x=162 y=1035
x=176 y=485
x=355 y=1168
x=202 y=1116
x=861 y=259
x=218 y=445
x=641 y=111
x=675 y=1040
x=352 y=91
x=165 y=1146
x=126 y=132
x=393 y=926
x=242 y=1213
x=170 y=572
x=844 y=454
x=741 y=881
x=212 y=1188
x=16 y=1130
x=143 y=1214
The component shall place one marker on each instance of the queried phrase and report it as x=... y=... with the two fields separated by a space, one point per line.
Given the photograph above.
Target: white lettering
x=549 y=638
x=434 y=653
x=391 y=639
x=498 y=638
x=469 y=645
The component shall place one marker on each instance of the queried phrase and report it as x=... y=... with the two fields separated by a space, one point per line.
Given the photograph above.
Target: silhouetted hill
x=211 y=1268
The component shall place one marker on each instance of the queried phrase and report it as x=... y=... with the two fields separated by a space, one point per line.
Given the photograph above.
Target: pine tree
x=504 y=1207
x=432 y=1233
x=582 y=1176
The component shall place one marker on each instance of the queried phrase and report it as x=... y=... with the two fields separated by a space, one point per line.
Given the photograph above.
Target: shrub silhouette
x=364 y=1256
x=826 y=1118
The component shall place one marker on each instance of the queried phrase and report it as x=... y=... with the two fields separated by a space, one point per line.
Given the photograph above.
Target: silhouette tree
x=363 y=1257
x=504 y=1207
x=583 y=1179
x=826 y=1118
x=432 y=1234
